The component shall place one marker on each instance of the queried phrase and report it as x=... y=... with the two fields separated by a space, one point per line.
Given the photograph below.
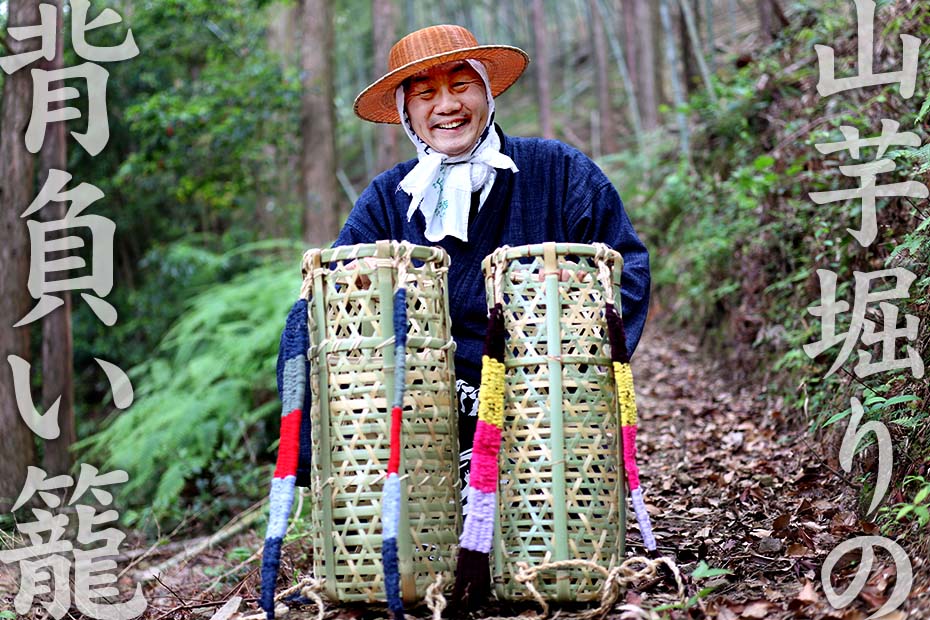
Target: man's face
x=447 y=106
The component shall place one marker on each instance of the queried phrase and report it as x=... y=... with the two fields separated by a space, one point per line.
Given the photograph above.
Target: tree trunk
x=771 y=19
x=283 y=37
x=282 y=33
x=57 y=346
x=319 y=187
x=688 y=64
x=671 y=57
x=697 y=47
x=541 y=45
x=731 y=18
x=630 y=40
x=16 y=193
x=384 y=28
x=608 y=141
x=710 y=51
x=623 y=69
x=646 y=69
x=766 y=22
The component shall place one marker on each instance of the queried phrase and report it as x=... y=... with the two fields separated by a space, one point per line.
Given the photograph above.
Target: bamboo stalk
x=697 y=47
x=557 y=438
x=671 y=57
x=324 y=426
x=615 y=49
x=710 y=47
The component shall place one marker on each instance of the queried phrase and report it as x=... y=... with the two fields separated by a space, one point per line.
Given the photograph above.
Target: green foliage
x=917 y=509
x=203 y=135
x=736 y=241
x=201 y=425
x=701 y=572
x=873 y=405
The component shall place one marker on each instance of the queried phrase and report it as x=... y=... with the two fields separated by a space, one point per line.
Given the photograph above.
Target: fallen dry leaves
x=733 y=481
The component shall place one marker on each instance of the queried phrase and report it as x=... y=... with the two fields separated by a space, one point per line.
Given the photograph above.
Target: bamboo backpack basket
x=564 y=447
x=384 y=477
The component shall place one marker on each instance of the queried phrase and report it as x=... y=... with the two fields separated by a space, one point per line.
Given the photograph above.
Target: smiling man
x=472 y=188
x=447 y=106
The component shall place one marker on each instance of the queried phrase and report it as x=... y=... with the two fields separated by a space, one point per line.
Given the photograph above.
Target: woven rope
x=615 y=579
x=434 y=598
x=309 y=587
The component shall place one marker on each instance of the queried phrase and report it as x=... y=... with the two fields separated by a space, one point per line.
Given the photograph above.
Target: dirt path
x=732 y=485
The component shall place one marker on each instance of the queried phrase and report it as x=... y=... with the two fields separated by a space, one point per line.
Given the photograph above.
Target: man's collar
x=500 y=133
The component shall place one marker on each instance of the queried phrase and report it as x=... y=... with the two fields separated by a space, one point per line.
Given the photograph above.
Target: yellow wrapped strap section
x=624 y=378
x=491 y=397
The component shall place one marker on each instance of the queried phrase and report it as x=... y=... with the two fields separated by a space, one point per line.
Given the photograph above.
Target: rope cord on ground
x=434 y=598
x=309 y=587
x=615 y=579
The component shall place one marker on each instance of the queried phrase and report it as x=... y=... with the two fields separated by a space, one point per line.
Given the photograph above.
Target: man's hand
x=565 y=275
x=362 y=281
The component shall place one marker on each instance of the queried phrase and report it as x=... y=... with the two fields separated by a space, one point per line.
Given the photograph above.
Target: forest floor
x=730 y=479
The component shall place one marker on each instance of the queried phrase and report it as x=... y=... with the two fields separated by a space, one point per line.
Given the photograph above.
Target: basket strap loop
x=308 y=264
x=403 y=251
x=615 y=579
x=603 y=271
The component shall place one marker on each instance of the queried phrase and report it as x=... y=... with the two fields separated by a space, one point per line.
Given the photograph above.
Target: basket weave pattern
x=562 y=488
x=352 y=378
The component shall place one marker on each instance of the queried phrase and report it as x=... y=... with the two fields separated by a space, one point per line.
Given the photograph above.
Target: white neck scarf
x=441 y=186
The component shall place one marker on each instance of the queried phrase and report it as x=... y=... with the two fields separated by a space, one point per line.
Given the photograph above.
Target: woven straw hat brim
x=504 y=64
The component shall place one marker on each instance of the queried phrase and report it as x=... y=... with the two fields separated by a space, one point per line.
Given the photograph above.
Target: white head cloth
x=441 y=186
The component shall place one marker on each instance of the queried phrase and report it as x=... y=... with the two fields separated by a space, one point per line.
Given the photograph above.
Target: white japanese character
x=90 y=563
x=37 y=481
x=906 y=77
x=48 y=16
x=79 y=25
x=830 y=308
x=94 y=566
x=100 y=280
x=43 y=560
x=46 y=425
x=868 y=191
x=98 y=129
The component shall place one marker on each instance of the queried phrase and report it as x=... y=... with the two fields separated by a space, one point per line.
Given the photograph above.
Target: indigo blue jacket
x=559 y=194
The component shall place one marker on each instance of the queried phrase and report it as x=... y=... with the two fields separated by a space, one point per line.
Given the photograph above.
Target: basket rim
x=507 y=253
x=380 y=249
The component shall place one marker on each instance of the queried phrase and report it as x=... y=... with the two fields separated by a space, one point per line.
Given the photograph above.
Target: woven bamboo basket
x=352 y=378
x=562 y=493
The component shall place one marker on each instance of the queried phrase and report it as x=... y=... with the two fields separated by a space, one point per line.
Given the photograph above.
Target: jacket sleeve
x=601 y=217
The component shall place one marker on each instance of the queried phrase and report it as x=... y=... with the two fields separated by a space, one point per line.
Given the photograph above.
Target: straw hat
x=430 y=47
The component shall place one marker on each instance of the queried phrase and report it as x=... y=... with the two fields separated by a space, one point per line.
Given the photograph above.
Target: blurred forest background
x=233 y=147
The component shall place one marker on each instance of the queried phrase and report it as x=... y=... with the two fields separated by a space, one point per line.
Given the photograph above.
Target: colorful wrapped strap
x=293 y=466
x=627 y=400
x=472 y=574
x=390 y=497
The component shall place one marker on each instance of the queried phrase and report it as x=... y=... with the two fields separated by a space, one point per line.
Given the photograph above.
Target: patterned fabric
x=467 y=399
x=294 y=448
x=390 y=498
x=626 y=398
x=472 y=574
